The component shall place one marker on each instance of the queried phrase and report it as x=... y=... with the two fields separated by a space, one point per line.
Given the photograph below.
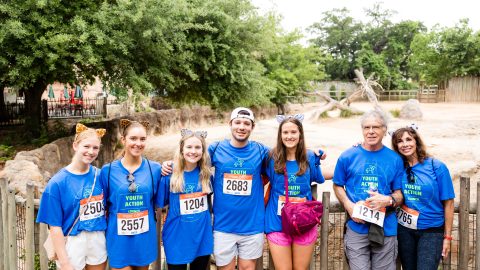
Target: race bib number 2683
x=237 y=184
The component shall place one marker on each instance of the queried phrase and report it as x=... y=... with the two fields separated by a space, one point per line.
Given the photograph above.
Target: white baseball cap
x=242 y=112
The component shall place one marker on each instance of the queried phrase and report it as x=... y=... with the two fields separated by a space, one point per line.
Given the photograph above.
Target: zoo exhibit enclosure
x=21 y=238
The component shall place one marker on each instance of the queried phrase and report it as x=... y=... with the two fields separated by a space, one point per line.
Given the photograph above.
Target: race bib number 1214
x=365 y=213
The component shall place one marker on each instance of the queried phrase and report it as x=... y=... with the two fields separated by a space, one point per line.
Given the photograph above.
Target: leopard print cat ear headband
x=187 y=132
x=124 y=123
x=79 y=128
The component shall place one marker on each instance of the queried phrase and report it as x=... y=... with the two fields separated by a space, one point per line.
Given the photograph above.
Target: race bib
x=237 y=184
x=193 y=203
x=407 y=217
x=365 y=213
x=132 y=223
x=282 y=200
x=93 y=209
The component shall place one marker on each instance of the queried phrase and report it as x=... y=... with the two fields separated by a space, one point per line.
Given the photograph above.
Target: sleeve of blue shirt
x=164 y=192
x=50 y=211
x=103 y=179
x=445 y=183
x=340 y=175
x=399 y=175
x=315 y=173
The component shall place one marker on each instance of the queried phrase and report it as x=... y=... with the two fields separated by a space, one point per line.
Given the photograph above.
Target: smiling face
x=290 y=135
x=134 y=141
x=241 y=129
x=407 y=146
x=373 y=132
x=192 y=150
x=86 y=150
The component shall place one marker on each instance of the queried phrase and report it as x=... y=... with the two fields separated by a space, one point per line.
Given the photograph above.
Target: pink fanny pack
x=299 y=218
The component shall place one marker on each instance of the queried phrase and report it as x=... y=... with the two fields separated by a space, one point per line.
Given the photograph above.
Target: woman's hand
x=446 y=248
x=167 y=168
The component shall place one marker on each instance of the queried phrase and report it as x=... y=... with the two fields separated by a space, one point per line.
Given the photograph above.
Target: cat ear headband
x=412 y=126
x=124 y=123
x=79 y=128
x=280 y=118
x=187 y=132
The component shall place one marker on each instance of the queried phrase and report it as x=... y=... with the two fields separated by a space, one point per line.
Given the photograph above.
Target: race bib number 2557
x=132 y=223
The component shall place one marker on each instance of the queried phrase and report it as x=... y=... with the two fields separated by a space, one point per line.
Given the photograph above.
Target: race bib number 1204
x=193 y=203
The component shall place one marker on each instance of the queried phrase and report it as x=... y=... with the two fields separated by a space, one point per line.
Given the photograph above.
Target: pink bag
x=299 y=218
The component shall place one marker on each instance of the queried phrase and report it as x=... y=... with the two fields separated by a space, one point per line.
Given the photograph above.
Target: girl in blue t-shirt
x=72 y=205
x=187 y=233
x=131 y=184
x=302 y=168
x=426 y=218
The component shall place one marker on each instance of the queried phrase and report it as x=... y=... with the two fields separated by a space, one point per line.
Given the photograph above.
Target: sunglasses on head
x=131 y=179
x=410 y=175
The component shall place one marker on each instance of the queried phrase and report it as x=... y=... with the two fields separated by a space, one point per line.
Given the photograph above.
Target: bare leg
x=281 y=256
x=302 y=256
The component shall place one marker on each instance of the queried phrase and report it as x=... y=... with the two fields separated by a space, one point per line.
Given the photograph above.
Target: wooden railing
x=21 y=238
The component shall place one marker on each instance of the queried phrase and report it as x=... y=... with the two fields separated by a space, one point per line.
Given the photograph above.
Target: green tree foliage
x=379 y=46
x=290 y=66
x=446 y=52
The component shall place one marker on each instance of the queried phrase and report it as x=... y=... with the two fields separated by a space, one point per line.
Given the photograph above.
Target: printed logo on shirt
x=133 y=202
x=366 y=179
x=292 y=179
x=239 y=163
x=416 y=194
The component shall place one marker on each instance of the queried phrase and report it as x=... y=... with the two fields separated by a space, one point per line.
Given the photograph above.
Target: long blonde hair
x=177 y=181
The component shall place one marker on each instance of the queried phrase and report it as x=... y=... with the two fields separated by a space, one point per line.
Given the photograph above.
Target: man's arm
x=345 y=201
x=378 y=201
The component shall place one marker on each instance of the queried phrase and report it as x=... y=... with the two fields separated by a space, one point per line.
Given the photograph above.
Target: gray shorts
x=363 y=256
x=227 y=246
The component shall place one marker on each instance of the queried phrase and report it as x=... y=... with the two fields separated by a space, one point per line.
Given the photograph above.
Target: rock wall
x=39 y=165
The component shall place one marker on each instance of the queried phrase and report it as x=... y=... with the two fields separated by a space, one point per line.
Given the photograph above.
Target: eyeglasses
x=131 y=179
x=374 y=128
x=410 y=175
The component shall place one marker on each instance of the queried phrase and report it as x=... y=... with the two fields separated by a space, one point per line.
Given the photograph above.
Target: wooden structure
x=463 y=89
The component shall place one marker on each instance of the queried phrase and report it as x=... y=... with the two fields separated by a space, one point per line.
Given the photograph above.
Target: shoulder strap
x=434 y=171
x=214 y=149
x=88 y=200
x=285 y=179
x=151 y=176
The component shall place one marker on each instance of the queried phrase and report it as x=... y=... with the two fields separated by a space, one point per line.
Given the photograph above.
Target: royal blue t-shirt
x=187 y=233
x=130 y=207
x=60 y=202
x=357 y=169
x=432 y=185
x=238 y=201
x=299 y=188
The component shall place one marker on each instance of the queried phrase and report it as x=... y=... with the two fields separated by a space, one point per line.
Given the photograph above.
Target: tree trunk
x=3 y=108
x=33 y=111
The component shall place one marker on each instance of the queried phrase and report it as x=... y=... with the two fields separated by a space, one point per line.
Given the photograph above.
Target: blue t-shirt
x=299 y=186
x=187 y=233
x=123 y=249
x=238 y=202
x=357 y=169
x=60 y=202
x=433 y=185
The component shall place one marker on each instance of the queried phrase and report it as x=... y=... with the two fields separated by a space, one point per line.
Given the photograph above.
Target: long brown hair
x=177 y=181
x=279 y=152
x=421 y=149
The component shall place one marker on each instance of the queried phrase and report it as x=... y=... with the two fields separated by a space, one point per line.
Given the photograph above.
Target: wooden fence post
x=463 y=214
x=29 y=229
x=345 y=260
x=477 y=247
x=12 y=230
x=3 y=225
x=41 y=251
x=324 y=231
x=105 y=107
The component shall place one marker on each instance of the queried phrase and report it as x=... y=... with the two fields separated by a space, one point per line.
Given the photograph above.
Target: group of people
x=95 y=214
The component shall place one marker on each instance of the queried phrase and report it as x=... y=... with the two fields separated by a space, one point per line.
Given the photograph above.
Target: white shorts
x=227 y=246
x=86 y=248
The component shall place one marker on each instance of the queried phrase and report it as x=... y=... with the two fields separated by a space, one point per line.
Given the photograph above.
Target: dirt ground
x=450 y=131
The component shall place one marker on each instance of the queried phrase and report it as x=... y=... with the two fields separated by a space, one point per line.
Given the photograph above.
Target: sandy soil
x=451 y=132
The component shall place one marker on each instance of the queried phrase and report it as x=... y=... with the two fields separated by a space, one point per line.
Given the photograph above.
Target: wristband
x=393 y=201
x=448 y=237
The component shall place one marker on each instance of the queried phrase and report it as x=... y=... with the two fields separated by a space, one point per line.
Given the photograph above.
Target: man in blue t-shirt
x=238 y=205
x=367 y=182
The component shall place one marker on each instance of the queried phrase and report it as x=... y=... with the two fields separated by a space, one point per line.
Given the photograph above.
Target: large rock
x=411 y=110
